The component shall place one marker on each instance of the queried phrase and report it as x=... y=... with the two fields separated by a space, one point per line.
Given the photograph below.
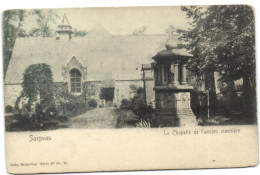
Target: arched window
x=75 y=81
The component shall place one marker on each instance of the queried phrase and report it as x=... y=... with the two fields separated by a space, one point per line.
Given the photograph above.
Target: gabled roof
x=113 y=57
x=98 y=32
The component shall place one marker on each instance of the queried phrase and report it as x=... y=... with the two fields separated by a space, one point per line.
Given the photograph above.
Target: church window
x=75 y=81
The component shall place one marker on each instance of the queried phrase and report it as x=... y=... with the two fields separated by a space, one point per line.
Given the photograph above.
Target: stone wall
x=91 y=89
x=123 y=90
x=11 y=93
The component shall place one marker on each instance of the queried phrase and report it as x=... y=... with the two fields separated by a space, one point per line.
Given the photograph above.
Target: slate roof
x=65 y=20
x=173 y=54
x=106 y=57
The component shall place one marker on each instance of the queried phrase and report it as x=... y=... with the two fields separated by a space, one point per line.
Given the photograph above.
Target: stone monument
x=172 y=93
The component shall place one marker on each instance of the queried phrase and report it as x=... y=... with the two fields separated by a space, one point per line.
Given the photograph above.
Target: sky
x=124 y=20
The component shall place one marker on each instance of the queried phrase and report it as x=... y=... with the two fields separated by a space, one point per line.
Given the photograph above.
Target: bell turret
x=64 y=31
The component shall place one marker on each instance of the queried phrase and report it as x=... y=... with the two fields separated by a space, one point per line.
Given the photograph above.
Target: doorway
x=107 y=97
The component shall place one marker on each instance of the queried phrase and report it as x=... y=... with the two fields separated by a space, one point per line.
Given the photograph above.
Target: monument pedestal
x=173 y=106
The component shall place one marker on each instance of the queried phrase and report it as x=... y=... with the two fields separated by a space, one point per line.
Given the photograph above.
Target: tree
x=38 y=86
x=12 y=28
x=140 y=31
x=45 y=18
x=14 y=24
x=79 y=33
x=222 y=38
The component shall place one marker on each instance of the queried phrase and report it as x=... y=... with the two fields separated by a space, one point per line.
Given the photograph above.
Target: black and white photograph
x=181 y=70
x=62 y=72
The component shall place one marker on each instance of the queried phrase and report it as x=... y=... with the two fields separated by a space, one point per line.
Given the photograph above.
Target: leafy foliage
x=140 y=31
x=222 y=38
x=12 y=28
x=125 y=119
x=79 y=33
x=44 y=21
x=38 y=85
x=125 y=102
x=92 y=103
x=143 y=124
x=145 y=113
x=69 y=105
x=8 y=109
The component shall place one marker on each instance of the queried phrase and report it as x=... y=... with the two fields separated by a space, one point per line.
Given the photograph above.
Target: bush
x=142 y=111
x=70 y=105
x=9 y=109
x=125 y=103
x=46 y=113
x=38 y=85
x=139 y=107
x=126 y=118
x=145 y=113
x=198 y=102
x=143 y=124
x=67 y=104
x=38 y=89
x=92 y=103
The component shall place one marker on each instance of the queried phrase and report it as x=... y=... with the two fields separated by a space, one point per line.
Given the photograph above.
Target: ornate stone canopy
x=171 y=64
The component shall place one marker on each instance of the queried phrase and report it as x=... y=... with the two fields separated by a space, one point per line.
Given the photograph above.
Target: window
x=75 y=81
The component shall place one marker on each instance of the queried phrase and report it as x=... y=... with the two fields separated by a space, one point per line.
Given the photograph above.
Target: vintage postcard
x=129 y=88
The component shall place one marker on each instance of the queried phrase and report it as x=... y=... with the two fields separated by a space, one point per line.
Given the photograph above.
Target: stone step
x=172 y=113
x=185 y=110
x=190 y=113
x=183 y=120
x=184 y=114
x=179 y=112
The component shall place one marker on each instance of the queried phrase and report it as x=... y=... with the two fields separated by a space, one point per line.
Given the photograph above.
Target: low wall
x=91 y=89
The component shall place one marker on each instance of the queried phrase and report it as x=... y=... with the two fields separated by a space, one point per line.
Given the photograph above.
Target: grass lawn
x=16 y=122
x=126 y=118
